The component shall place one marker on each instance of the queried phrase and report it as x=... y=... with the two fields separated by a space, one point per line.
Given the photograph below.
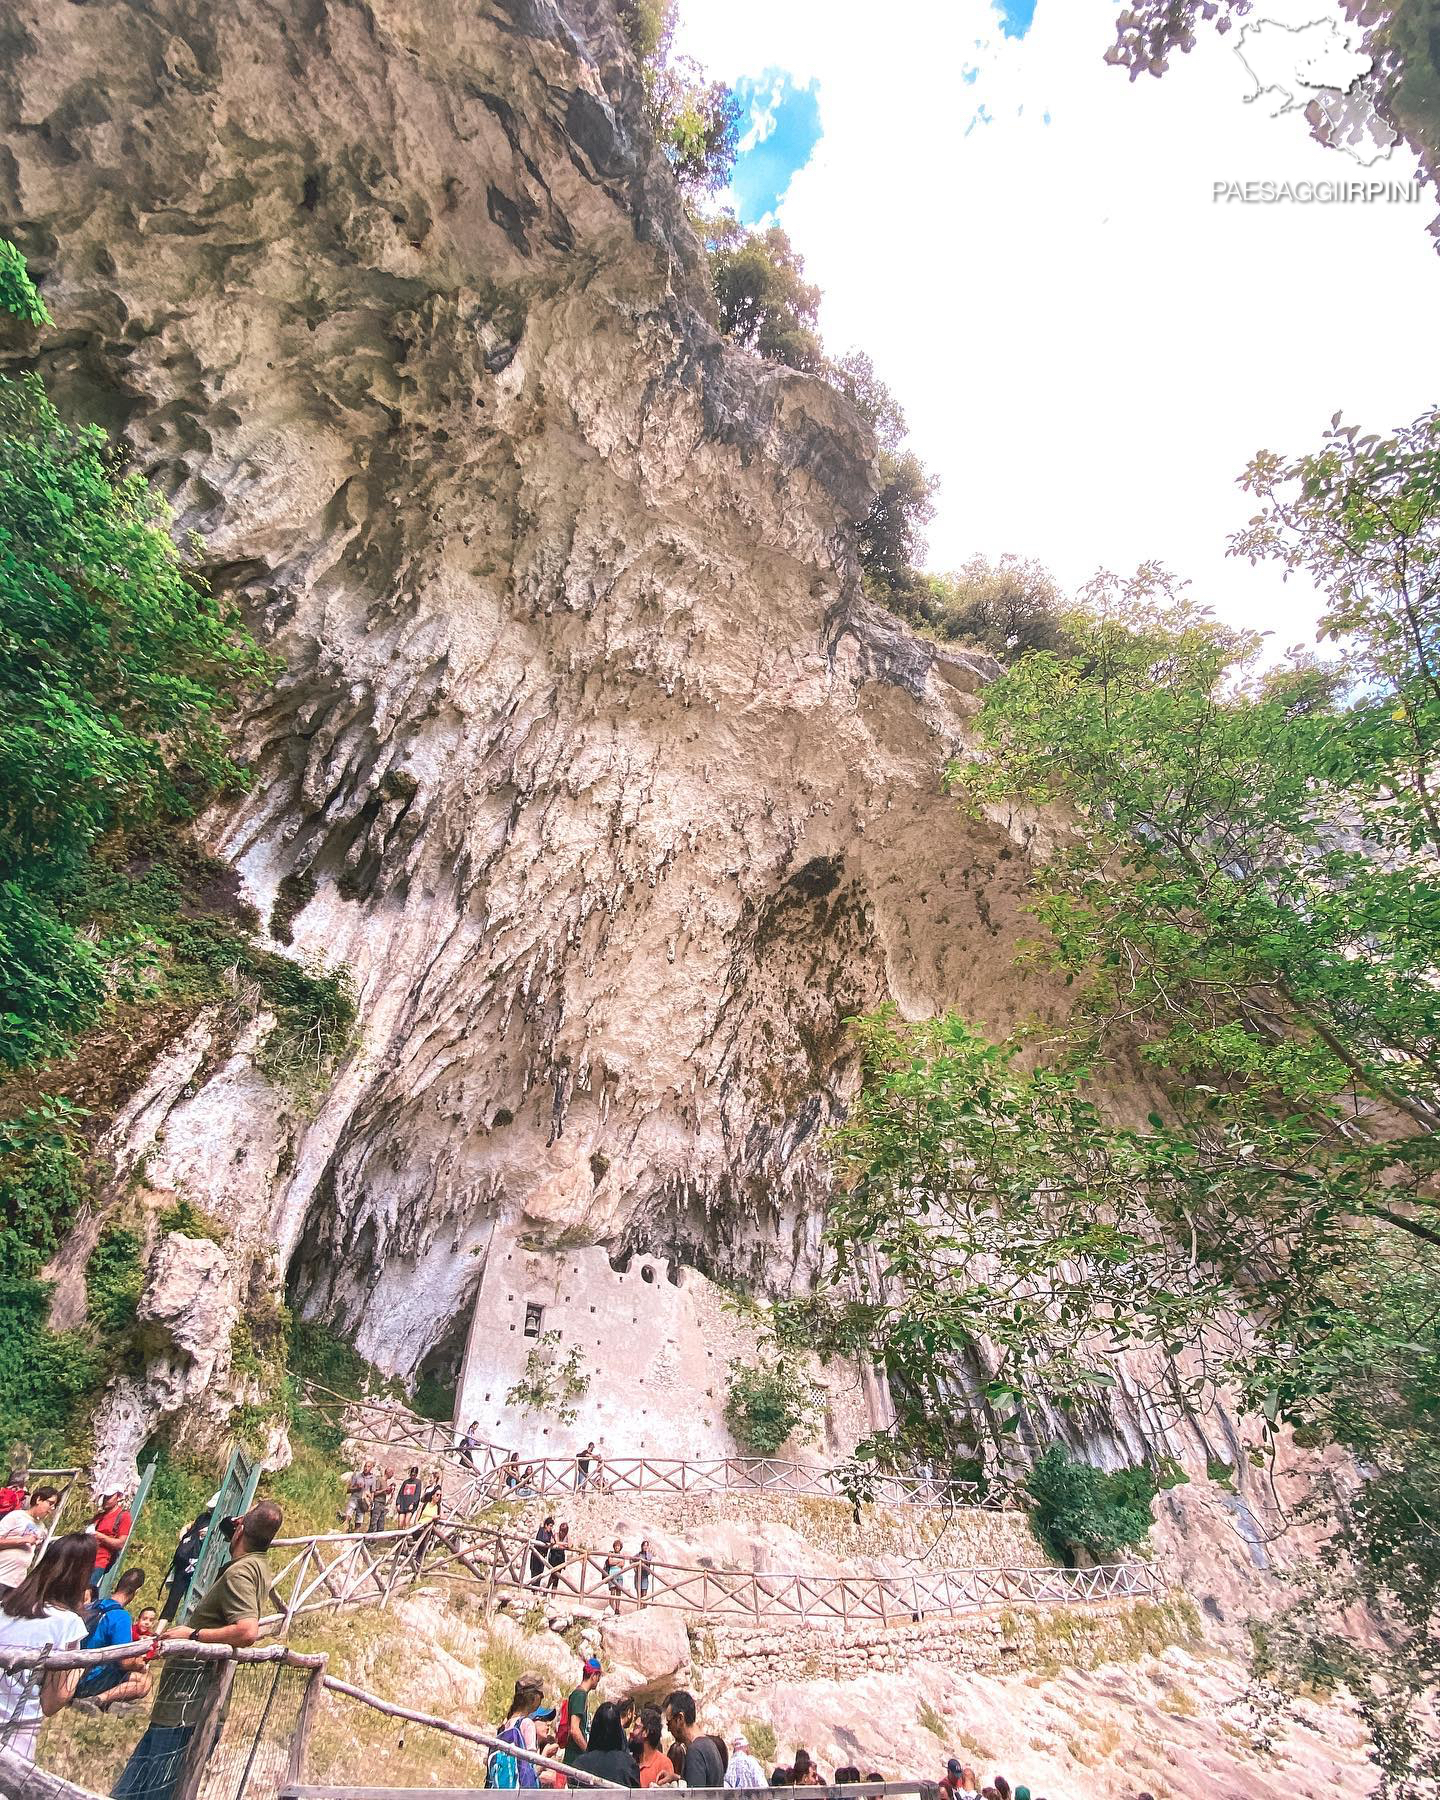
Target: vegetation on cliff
x=119 y=679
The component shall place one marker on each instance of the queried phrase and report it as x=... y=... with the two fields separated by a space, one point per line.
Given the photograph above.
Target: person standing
x=110 y=1527
x=540 y=1549
x=559 y=1550
x=644 y=1570
x=22 y=1532
x=743 y=1770
x=582 y=1465
x=504 y=1770
x=576 y=1717
x=229 y=1613
x=704 y=1767
x=184 y=1563
x=407 y=1497
x=381 y=1498
x=655 y=1766
x=359 y=1494
x=43 y=1612
x=608 y=1755
x=433 y=1495
x=612 y=1571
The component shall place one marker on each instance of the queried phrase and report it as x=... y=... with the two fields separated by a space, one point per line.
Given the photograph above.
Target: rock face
x=588 y=759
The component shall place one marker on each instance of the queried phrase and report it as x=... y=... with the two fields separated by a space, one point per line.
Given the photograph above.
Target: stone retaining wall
x=763 y=1530
x=1045 y=1639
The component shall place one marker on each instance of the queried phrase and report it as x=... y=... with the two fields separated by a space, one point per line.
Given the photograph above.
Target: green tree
x=767 y=1401
x=1248 y=899
x=117 y=672
x=696 y=121
x=765 y=303
x=1076 y=1507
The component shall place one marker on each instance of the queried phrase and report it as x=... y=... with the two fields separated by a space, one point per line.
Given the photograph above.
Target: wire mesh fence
x=257 y=1740
x=216 y=1726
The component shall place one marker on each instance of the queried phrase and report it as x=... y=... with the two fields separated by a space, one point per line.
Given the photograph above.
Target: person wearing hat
x=743 y=1771
x=109 y=1527
x=576 y=1714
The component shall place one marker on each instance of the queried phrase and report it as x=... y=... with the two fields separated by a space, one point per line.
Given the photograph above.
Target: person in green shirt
x=229 y=1613
x=577 y=1711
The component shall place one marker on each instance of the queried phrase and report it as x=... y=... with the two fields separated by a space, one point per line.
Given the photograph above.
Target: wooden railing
x=335 y=1571
x=482 y=1467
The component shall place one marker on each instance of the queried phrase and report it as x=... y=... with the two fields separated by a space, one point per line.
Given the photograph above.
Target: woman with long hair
x=43 y=1613
x=518 y=1731
x=607 y=1754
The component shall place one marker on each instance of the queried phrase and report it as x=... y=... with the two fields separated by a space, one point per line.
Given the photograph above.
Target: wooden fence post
x=205 y=1734
x=304 y=1725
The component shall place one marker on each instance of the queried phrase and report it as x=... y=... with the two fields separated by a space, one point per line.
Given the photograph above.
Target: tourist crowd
x=53 y=1595
x=623 y=1574
x=369 y=1493
x=622 y=1741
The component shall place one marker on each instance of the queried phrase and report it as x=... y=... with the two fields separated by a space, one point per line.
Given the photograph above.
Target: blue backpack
x=506 y=1771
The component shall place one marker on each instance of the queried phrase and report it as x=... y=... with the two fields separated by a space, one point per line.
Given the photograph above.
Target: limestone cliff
x=589 y=760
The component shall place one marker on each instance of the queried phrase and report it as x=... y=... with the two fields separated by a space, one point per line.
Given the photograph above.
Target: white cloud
x=1088 y=346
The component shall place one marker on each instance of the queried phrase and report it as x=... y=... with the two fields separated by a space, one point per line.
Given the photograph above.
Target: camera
x=228 y=1527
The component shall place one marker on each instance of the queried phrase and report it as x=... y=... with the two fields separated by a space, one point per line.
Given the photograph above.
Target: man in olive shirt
x=230 y=1613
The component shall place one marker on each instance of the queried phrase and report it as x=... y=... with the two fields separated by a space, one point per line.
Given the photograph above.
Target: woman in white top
x=43 y=1613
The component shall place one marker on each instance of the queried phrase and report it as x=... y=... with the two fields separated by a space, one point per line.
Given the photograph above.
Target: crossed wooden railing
x=490 y=1472
x=334 y=1571
x=496 y=1477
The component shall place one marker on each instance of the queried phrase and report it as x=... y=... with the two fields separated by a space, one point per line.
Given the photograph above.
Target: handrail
x=483 y=1464
x=333 y=1571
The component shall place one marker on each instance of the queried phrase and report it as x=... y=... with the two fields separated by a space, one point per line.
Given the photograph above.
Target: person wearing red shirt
x=110 y=1527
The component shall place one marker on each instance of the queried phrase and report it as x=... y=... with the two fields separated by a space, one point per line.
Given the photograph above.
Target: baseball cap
x=591 y=1665
x=531 y=1680
x=952 y=1769
x=740 y=1742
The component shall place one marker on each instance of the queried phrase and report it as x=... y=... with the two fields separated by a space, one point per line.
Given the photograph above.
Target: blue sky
x=780 y=124
x=1089 y=345
x=779 y=127
x=1016 y=16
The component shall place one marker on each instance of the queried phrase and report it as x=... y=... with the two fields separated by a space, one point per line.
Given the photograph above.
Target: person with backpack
x=504 y=1770
x=573 y=1731
x=110 y=1527
x=183 y=1565
x=113 y=1683
x=407 y=1496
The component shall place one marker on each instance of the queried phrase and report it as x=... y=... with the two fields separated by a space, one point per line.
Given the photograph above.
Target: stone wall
x=655 y=1340
x=1044 y=1639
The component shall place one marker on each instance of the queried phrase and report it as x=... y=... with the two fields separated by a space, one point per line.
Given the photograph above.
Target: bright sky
x=1088 y=346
